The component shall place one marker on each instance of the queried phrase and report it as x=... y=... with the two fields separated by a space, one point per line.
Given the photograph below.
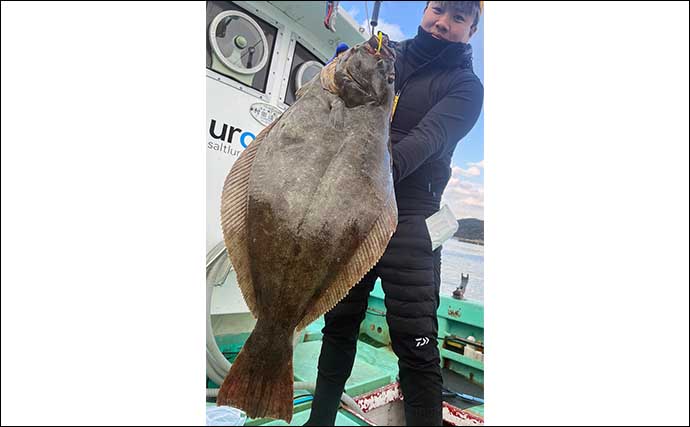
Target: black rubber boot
x=335 y=365
x=326 y=402
x=338 y=350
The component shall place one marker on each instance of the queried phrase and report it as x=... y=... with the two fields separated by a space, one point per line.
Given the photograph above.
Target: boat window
x=239 y=45
x=305 y=66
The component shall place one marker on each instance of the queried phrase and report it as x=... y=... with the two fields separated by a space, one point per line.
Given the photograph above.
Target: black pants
x=410 y=273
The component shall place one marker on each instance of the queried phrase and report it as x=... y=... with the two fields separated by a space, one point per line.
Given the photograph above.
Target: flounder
x=307 y=210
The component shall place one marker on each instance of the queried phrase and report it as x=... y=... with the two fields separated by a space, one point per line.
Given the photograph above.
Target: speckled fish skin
x=307 y=210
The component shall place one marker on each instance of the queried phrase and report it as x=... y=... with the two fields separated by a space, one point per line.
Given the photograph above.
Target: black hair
x=467 y=8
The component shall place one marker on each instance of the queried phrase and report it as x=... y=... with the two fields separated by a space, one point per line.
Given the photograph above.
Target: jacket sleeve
x=446 y=123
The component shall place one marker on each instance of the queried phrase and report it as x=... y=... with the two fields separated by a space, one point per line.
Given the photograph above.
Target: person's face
x=445 y=23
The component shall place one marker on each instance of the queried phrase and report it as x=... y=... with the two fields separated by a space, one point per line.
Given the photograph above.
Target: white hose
x=217 y=366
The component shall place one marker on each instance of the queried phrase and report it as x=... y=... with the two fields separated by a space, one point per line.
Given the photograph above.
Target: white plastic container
x=224 y=416
x=441 y=225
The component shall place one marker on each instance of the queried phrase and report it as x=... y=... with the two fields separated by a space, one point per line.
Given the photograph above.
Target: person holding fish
x=438 y=99
x=313 y=215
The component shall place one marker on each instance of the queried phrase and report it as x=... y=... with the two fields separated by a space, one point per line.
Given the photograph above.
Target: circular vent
x=238 y=42
x=306 y=72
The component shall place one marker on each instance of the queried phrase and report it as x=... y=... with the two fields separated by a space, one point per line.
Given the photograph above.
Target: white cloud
x=464 y=207
x=393 y=31
x=473 y=201
x=469 y=172
x=480 y=165
x=465 y=198
x=463 y=191
x=468 y=185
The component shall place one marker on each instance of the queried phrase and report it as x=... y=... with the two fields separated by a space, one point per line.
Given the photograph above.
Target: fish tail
x=260 y=381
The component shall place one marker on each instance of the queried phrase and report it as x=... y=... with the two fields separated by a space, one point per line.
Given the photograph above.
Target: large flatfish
x=307 y=210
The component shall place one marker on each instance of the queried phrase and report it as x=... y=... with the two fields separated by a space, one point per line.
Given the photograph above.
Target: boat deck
x=373 y=383
x=375 y=367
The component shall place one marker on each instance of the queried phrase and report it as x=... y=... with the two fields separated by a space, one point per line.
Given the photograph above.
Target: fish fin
x=337 y=115
x=260 y=381
x=364 y=258
x=233 y=216
x=327 y=77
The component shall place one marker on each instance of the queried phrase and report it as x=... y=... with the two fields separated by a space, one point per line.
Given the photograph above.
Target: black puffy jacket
x=439 y=103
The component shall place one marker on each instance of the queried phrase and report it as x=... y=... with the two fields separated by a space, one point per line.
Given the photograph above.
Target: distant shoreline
x=470 y=230
x=474 y=242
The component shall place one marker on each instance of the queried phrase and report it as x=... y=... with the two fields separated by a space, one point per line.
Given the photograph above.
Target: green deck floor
x=342 y=419
x=374 y=367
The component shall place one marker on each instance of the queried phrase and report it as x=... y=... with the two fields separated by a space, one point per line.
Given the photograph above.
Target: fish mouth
x=384 y=52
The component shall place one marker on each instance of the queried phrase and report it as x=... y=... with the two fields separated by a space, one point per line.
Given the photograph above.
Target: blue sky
x=465 y=192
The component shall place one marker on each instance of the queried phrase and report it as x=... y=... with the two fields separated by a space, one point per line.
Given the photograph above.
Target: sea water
x=462 y=258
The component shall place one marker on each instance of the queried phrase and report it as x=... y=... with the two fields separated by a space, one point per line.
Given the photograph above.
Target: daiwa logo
x=224 y=137
x=421 y=341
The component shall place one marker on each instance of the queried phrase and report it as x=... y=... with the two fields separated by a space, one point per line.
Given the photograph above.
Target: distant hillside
x=470 y=230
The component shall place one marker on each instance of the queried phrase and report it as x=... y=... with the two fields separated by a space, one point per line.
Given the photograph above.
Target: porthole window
x=239 y=44
x=305 y=66
x=306 y=72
